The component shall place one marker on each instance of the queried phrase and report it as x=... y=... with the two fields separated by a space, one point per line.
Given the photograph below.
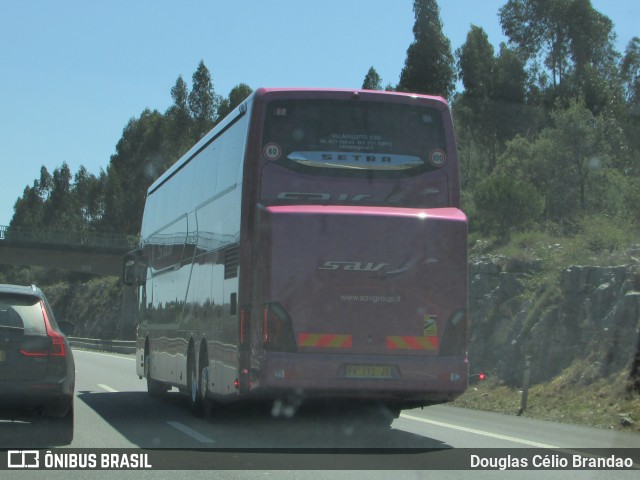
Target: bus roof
x=321 y=91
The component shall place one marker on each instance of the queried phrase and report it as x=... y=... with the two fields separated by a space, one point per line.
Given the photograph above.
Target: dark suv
x=37 y=372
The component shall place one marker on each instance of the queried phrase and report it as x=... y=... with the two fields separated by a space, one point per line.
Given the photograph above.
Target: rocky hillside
x=589 y=313
x=94 y=307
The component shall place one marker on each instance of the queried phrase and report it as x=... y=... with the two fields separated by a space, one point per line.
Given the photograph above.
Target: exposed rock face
x=594 y=314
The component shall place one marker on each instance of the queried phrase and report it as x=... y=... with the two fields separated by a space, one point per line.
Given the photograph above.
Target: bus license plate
x=368 y=371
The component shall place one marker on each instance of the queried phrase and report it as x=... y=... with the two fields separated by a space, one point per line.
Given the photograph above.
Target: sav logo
x=353 y=266
x=23 y=459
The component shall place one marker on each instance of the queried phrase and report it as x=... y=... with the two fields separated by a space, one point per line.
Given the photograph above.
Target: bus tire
x=154 y=388
x=194 y=395
x=203 y=386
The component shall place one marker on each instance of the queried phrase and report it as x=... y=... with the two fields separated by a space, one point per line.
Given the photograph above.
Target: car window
x=21 y=311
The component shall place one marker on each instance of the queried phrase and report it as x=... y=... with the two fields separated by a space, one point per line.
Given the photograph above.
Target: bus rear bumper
x=406 y=380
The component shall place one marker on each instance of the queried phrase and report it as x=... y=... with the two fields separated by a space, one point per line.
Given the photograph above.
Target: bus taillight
x=277 y=329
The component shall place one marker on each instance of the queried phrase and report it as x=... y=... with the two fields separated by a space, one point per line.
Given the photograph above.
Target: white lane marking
x=108 y=388
x=480 y=432
x=191 y=433
x=104 y=354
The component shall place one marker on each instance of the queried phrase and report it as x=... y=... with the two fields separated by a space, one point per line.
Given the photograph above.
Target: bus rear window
x=354 y=137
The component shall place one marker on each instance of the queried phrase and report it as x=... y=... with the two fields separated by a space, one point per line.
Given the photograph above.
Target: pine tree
x=179 y=111
x=203 y=102
x=180 y=94
x=429 y=66
x=372 y=80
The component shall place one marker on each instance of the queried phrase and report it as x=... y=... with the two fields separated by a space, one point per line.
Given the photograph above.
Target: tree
x=87 y=199
x=141 y=157
x=509 y=79
x=472 y=108
x=476 y=63
x=203 y=102
x=574 y=151
x=45 y=183
x=237 y=95
x=538 y=27
x=180 y=132
x=28 y=209
x=180 y=95
x=429 y=66
x=372 y=80
x=179 y=111
x=491 y=108
x=630 y=72
x=572 y=40
x=568 y=163
x=59 y=205
x=509 y=97
x=117 y=205
x=630 y=76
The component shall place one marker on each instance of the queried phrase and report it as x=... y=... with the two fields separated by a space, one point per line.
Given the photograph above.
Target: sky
x=74 y=72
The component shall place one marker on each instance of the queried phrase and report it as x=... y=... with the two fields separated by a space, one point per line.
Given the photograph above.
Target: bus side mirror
x=134 y=268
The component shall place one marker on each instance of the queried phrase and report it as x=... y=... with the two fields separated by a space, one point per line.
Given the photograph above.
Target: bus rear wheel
x=154 y=387
x=195 y=397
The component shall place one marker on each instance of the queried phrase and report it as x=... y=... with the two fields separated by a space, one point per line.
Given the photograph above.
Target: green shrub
x=505 y=204
x=600 y=233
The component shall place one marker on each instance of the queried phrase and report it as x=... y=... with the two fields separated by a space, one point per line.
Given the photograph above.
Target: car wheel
x=62 y=428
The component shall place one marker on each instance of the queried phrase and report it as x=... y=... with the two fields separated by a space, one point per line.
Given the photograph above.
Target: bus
x=311 y=246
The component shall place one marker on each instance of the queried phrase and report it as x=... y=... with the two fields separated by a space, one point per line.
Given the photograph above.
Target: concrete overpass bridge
x=87 y=252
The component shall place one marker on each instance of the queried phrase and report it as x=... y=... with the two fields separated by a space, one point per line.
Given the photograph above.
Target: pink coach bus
x=311 y=245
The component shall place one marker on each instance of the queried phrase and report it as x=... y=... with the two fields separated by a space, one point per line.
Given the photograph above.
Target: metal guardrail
x=113 y=346
x=18 y=235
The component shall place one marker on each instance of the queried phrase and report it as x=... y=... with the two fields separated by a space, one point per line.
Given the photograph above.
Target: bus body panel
x=190 y=239
x=363 y=287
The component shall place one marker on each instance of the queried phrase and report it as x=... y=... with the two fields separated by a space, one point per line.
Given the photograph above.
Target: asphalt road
x=113 y=410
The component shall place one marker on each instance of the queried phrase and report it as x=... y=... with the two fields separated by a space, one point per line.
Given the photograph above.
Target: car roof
x=21 y=290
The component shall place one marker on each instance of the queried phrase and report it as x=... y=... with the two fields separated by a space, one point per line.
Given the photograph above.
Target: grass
x=568 y=398
x=593 y=240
